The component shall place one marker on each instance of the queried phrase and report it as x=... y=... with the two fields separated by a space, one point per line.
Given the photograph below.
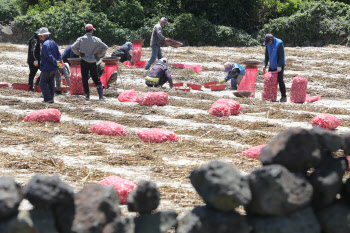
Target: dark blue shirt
x=68 y=53
x=49 y=55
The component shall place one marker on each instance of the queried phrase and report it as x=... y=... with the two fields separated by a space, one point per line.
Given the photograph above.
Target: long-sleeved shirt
x=157 y=35
x=123 y=53
x=280 y=54
x=90 y=48
x=33 y=50
x=162 y=72
x=49 y=55
x=68 y=53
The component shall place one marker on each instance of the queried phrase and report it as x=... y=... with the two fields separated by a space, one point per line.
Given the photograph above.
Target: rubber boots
x=100 y=92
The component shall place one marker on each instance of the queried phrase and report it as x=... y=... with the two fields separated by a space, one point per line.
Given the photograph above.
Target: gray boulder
x=303 y=221
x=327 y=182
x=221 y=186
x=95 y=207
x=276 y=191
x=10 y=196
x=335 y=218
x=296 y=149
x=43 y=191
x=121 y=225
x=21 y=223
x=205 y=220
x=326 y=139
x=144 y=198
x=43 y=220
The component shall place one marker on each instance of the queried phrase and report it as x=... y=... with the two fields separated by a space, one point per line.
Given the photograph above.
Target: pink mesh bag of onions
x=122 y=186
x=44 y=115
x=153 y=98
x=128 y=96
x=108 y=128
x=253 y=152
x=235 y=107
x=326 y=121
x=155 y=135
x=298 y=90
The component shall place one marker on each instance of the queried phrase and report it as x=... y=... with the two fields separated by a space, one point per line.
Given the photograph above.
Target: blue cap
x=129 y=44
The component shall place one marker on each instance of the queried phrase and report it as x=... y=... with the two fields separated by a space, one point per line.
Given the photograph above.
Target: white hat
x=44 y=31
x=163 y=59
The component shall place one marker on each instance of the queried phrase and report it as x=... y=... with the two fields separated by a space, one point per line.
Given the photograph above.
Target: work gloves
x=167 y=40
x=221 y=81
x=279 y=69
x=59 y=64
x=36 y=63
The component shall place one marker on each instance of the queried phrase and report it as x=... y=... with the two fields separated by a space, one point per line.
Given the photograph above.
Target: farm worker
x=33 y=58
x=50 y=61
x=123 y=52
x=68 y=53
x=274 y=53
x=91 y=49
x=159 y=75
x=157 y=39
x=235 y=72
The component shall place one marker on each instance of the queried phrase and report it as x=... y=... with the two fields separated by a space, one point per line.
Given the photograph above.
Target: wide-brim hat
x=37 y=31
x=43 y=31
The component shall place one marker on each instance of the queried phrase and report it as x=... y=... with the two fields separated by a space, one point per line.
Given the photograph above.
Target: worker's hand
x=36 y=63
x=264 y=69
x=59 y=64
x=279 y=69
x=221 y=81
x=167 y=40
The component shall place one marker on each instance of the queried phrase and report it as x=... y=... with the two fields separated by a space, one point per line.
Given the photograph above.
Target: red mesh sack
x=122 y=186
x=128 y=96
x=108 y=68
x=326 y=121
x=220 y=109
x=195 y=68
x=253 y=152
x=298 y=90
x=44 y=115
x=310 y=99
x=76 y=81
x=248 y=82
x=233 y=105
x=108 y=128
x=153 y=98
x=155 y=135
x=136 y=52
x=270 y=86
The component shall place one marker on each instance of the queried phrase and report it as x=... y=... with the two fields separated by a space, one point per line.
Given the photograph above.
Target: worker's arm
x=76 y=47
x=170 y=80
x=46 y=51
x=101 y=51
x=280 y=55
x=232 y=74
x=159 y=32
x=266 y=61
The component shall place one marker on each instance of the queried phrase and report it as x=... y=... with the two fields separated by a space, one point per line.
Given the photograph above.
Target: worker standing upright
x=91 y=49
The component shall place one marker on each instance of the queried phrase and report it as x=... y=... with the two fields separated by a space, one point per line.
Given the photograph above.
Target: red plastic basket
x=183 y=89
x=64 y=82
x=208 y=84
x=64 y=89
x=20 y=86
x=194 y=86
x=219 y=87
x=3 y=84
x=37 y=89
x=178 y=84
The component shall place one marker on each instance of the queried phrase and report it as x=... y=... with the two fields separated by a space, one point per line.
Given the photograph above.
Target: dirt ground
x=71 y=150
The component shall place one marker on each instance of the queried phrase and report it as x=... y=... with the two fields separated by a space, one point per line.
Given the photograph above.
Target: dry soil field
x=71 y=150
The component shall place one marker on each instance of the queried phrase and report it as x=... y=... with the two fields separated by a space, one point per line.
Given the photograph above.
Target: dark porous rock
x=276 y=191
x=95 y=207
x=327 y=182
x=335 y=218
x=10 y=196
x=221 y=186
x=43 y=220
x=160 y=222
x=303 y=221
x=121 y=225
x=205 y=220
x=327 y=140
x=21 y=223
x=346 y=143
x=296 y=149
x=64 y=216
x=144 y=198
x=42 y=191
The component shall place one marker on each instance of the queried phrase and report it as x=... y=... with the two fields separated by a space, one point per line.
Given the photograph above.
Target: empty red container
x=183 y=89
x=219 y=87
x=64 y=89
x=3 y=84
x=37 y=88
x=208 y=84
x=194 y=86
x=178 y=84
x=20 y=86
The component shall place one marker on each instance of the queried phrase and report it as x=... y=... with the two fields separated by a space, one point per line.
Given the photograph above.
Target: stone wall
x=301 y=188
x=11 y=33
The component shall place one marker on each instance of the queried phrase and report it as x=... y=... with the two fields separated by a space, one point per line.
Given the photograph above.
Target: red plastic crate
x=178 y=84
x=194 y=86
x=208 y=84
x=219 y=87
x=183 y=89
x=3 y=84
x=20 y=86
